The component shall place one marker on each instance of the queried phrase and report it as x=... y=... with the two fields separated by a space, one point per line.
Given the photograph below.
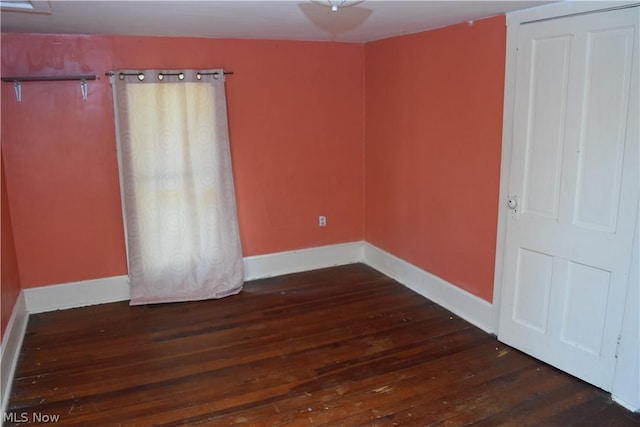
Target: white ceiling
x=266 y=19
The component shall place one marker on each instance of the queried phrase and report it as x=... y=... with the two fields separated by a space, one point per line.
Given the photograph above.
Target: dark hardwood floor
x=344 y=346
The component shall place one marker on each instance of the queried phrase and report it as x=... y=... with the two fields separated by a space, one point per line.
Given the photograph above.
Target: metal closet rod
x=47 y=78
x=17 y=82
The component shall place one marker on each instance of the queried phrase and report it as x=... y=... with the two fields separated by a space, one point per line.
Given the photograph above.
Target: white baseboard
x=468 y=306
x=112 y=289
x=631 y=407
x=11 y=344
x=76 y=294
x=280 y=263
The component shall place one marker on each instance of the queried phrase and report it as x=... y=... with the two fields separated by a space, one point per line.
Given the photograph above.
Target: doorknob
x=512 y=202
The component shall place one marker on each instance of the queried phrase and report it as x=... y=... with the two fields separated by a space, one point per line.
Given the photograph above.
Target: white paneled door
x=573 y=191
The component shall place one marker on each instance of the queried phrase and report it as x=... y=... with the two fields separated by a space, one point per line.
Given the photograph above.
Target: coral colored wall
x=60 y=163
x=433 y=127
x=295 y=116
x=9 y=278
x=433 y=104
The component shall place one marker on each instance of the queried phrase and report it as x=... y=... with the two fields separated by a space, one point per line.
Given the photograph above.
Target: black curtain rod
x=111 y=73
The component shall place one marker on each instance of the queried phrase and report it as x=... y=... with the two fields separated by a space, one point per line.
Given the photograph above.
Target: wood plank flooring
x=344 y=346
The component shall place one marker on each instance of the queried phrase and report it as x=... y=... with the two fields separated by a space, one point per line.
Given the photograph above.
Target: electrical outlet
x=322 y=221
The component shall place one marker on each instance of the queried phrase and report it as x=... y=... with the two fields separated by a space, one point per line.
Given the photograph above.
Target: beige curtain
x=177 y=185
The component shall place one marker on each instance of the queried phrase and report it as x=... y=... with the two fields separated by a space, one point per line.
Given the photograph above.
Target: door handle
x=513 y=205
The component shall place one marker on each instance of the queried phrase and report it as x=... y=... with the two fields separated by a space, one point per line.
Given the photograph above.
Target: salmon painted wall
x=9 y=278
x=433 y=105
x=295 y=116
x=60 y=163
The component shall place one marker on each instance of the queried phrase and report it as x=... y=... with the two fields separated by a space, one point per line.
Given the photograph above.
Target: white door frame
x=514 y=20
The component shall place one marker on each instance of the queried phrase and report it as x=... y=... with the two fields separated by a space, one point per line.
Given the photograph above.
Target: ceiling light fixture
x=336 y=4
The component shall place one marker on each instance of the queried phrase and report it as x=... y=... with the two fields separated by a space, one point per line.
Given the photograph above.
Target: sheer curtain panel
x=176 y=183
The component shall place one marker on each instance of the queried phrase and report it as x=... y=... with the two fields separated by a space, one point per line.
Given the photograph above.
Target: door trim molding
x=564 y=9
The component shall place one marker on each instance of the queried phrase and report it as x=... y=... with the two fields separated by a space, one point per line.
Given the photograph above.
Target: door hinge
x=618 y=345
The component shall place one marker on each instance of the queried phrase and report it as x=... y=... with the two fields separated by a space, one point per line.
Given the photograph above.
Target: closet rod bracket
x=83 y=89
x=17 y=87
